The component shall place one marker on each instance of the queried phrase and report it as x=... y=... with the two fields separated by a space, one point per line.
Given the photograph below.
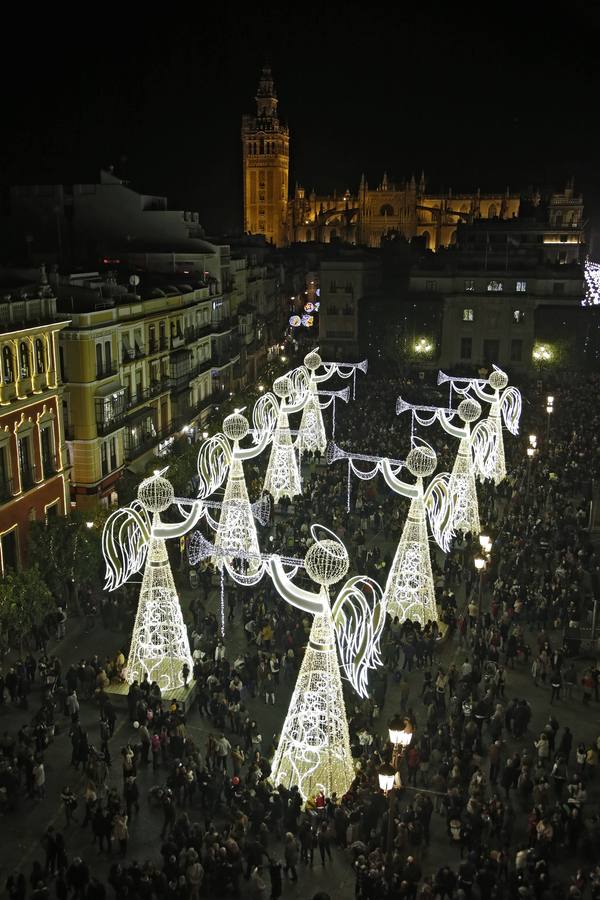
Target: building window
x=558 y=287
x=40 y=356
x=518 y=316
x=386 y=210
x=25 y=463
x=494 y=286
x=7 y=365
x=468 y=315
x=47 y=442
x=521 y=287
x=104 y=459
x=466 y=348
x=469 y=284
x=24 y=360
x=491 y=350
x=6 y=489
x=10 y=550
x=431 y=285
x=516 y=350
x=564 y=238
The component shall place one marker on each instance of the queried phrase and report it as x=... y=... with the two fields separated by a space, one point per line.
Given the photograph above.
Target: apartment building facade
x=33 y=459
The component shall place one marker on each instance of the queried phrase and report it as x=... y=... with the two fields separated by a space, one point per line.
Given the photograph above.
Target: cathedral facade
x=363 y=218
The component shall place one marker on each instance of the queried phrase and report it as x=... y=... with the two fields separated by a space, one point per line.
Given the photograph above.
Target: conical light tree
x=237 y=529
x=282 y=478
x=134 y=538
x=314 y=748
x=311 y=434
x=505 y=404
x=409 y=591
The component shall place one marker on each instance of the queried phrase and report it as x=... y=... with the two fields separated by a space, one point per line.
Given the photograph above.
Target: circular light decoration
x=307 y=321
x=295 y=321
x=309 y=307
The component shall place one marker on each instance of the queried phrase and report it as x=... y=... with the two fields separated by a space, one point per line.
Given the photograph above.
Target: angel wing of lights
x=264 y=416
x=125 y=539
x=214 y=459
x=483 y=446
x=439 y=504
x=510 y=404
x=358 y=627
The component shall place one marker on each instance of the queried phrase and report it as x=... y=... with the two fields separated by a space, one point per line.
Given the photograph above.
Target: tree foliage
x=25 y=600
x=69 y=552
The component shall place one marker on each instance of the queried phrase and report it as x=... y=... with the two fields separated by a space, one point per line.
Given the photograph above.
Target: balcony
x=156 y=346
x=195 y=332
x=223 y=326
x=177 y=340
x=131 y=353
x=180 y=378
x=29 y=477
x=142 y=395
x=49 y=466
x=105 y=371
x=108 y=426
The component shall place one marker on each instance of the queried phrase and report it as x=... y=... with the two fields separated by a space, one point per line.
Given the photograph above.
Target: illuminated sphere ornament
x=421 y=461
x=156 y=493
x=498 y=380
x=469 y=410
x=282 y=386
x=312 y=360
x=327 y=562
x=236 y=427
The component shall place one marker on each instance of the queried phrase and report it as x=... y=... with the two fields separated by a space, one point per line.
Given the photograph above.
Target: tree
x=70 y=551
x=25 y=601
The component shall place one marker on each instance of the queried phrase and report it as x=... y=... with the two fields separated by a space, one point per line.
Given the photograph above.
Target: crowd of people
x=516 y=802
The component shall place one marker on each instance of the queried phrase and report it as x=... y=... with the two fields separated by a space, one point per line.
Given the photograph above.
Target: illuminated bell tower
x=265 y=156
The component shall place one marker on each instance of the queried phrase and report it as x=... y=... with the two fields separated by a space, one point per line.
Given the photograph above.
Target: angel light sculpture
x=475 y=454
x=409 y=590
x=134 y=538
x=505 y=404
x=311 y=433
x=314 y=748
x=282 y=478
x=236 y=529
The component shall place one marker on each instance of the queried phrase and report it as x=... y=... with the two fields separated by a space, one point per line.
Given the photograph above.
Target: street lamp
x=401 y=733
x=481 y=562
x=386 y=775
x=549 y=410
x=423 y=346
x=531 y=451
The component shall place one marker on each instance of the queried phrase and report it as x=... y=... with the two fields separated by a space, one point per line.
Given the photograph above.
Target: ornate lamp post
x=531 y=451
x=401 y=732
x=481 y=562
x=549 y=410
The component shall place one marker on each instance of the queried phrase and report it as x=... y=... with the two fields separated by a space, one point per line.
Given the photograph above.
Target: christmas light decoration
x=159 y=643
x=475 y=453
x=505 y=404
x=236 y=527
x=135 y=536
x=346 y=370
x=409 y=591
x=311 y=434
x=592 y=283
x=282 y=478
x=314 y=748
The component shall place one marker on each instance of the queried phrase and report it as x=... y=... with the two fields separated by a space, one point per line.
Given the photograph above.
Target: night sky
x=513 y=101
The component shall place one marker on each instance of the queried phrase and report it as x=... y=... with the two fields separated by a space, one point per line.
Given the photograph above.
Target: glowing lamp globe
x=479 y=563
x=498 y=380
x=326 y=561
x=405 y=736
x=386 y=775
x=396 y=728
x=312 y=360
x=282 y=386
x=421 y=461
x=469 y=410
x=156 y=493
x=236 y=426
